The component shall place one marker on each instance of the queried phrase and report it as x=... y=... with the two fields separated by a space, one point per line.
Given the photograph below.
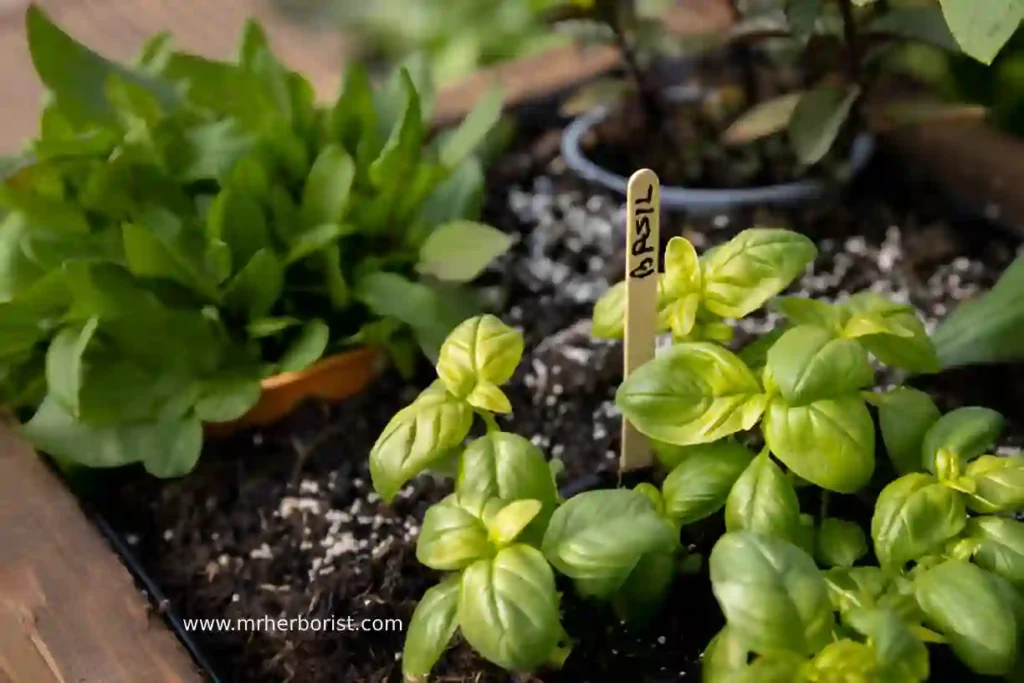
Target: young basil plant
x=187 y=227
x=802 y=384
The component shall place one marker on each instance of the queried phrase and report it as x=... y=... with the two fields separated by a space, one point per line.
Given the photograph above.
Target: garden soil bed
x=282 y=522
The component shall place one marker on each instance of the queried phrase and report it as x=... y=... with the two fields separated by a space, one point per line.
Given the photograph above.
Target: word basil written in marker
x=643 y=233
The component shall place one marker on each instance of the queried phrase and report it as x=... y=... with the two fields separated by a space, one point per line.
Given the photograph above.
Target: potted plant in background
x=188 y=238
x=809 y=71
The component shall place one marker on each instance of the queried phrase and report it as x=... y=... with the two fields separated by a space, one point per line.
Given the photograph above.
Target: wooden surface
x=69 y=611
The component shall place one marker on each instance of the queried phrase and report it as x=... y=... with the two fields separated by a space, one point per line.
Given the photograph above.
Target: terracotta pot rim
x=370 y=353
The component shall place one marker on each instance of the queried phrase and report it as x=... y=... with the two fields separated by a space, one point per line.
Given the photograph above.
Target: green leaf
x=223 y=88
x=682 y=269
x=416 y=437
x=507 y=466
x=998 y=484
x=353 y=116
x=742 y=274
x=900 y=656
x=964 y=432
x=981 y=29
x=460 y=251
x=457 y=198
x=850 y=588
x=268 y=327
x=65 y=367
x=228 y=398
x=325 y=196
x=724 y=659
x=257 y=286
x=477 y=357
x=840 y=543
x=772 y=594
x=830 y=443
x=692 y=393
x=402 y=148
x=1000 y=546
x=454 y=533
x=962 y=602
x=915 y=515
x=905 y=415
x=764 y=501
x=808 y=363
x=307 y=348
x=508 y=609
x=610 y=313
x=77 y=75
x=766 y=118
x=891 y=331
x=431 y=629
x=644 y=592
x=317 y=238
x=921 y=23
x=209 y=151
x=473 y=129
x=238 y=221
x=167 y=448
x=699 y=485
x=817 y=120
x=755 y=353
x=989 y=329
x=598 y=537
x=509 y=522
x=149 y=255
x=801 y=311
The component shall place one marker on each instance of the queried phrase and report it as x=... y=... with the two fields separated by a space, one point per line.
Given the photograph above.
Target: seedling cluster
x=806 y=597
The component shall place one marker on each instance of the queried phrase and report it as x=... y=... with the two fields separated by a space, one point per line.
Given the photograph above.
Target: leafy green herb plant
x=183 y=228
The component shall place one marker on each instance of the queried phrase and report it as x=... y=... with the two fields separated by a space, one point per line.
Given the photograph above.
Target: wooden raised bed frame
x=69 y=610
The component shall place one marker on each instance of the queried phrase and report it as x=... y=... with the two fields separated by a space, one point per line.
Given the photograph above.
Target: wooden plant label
x=643 y=198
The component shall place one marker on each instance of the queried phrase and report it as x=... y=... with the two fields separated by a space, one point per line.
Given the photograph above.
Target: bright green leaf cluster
x=183 y=228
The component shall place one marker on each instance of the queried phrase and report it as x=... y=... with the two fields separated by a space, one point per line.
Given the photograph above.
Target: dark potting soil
x=283 y=522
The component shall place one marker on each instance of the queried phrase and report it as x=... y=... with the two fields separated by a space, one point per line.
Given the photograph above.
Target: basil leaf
x=692 y=393
x=682 y=269
x=459 y=251
x=809 y=363
x=598 y=537
x=416 y=437
x=725 y=658
x=509 y=522
x=454 y=533
x=1001 y=546
x=905 y=415
x=830 y=443
x=431 y=628
x=699 y=485
x=900 y=656
x=998 y=484
x=843 y=659
x=325 y=196
x=854 y=587
x=773 y=596
x=742 y=274
x=478 y=356
x=508 y=608
x=473 y=129
x=610 y=313
x=777 y=667
x=755 y=354
x=965 y=432
x=915 y=515
x=840 y=543
x=507 y=466
x=764 y=501
x=644 y=592
x=891 y=332
x=961 y=601
x=801 y=311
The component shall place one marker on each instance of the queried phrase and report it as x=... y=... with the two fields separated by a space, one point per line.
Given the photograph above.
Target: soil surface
x=283 y=522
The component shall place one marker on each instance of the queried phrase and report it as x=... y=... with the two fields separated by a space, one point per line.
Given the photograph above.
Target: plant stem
x=853 y=55
x=745 y=58
x=492 y=424
x=823 y=512
x=649 y=98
